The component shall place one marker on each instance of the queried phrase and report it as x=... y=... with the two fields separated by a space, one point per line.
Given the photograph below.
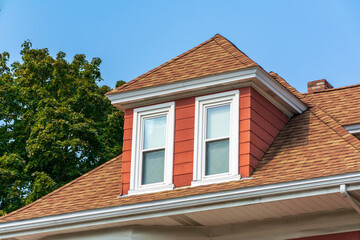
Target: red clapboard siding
x=184 y=141
x=184 y=146
x=126 y=159
x=259 y=123
x=264 y=123
x=183 y=180
x=245 y=131
x=337 y=236
x=273 y=109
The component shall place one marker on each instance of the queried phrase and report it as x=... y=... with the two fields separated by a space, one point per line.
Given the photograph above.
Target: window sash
x=214 y=162
x=212 y=118
x=139 y=150
x=148 y=175
x=202 y=104
x=151 y=174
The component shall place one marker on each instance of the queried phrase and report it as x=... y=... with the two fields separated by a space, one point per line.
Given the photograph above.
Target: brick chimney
x=318 y=85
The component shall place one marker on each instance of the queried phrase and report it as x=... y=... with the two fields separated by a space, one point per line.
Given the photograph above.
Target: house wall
x=126 y=159
x=184 y=141
x=260 y=122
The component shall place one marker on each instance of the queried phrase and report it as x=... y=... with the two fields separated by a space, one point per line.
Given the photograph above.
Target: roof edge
x=223 y=81
x=207 y=201
x=59 y=189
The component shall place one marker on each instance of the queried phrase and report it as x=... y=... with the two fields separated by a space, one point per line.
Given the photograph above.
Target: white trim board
x=208 y=84
x=238 y=197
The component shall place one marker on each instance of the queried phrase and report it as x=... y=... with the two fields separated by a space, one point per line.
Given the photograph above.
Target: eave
x=107 y=217
x=255 y=77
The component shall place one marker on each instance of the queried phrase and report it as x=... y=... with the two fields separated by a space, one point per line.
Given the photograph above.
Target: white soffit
x=255 y=77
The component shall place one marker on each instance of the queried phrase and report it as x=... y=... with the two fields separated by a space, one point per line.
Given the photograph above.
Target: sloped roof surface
x=340 y=103
x=311 y=145
x=214 y=56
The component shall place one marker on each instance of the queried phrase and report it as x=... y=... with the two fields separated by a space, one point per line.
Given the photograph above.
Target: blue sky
x=300 y=40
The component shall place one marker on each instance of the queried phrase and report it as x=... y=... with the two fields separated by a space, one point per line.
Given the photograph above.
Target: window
x=152 y=149
x=216 y=138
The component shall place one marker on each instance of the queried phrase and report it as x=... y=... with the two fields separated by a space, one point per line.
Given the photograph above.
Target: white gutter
x=352 y=200
x=168 y=207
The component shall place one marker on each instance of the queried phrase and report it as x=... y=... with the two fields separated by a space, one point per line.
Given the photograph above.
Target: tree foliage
x=55 y=124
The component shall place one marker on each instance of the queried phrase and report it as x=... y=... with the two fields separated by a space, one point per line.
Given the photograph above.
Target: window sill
x=151 y=189
x=215 y=179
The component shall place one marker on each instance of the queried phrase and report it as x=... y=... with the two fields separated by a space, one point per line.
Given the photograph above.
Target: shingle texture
x=312 y=144
x=216 y=55
x=340 y=103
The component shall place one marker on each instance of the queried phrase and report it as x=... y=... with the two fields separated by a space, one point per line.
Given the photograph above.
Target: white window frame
x=139 y=115
x=201 y=104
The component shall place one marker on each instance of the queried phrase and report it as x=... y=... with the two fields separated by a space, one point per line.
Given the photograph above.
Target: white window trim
x=139 y=115
x=231 y=97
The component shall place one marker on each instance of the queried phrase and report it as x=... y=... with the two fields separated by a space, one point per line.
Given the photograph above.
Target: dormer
x=204 y=117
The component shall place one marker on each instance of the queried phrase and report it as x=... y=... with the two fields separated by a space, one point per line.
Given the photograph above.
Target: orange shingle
x=311 y=145
x=214 y=56
x=340 y=103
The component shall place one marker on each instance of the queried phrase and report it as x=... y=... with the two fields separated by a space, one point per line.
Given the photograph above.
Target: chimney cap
x=318 y=85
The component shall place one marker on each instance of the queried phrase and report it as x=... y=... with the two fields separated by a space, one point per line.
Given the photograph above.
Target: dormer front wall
x=259 y=123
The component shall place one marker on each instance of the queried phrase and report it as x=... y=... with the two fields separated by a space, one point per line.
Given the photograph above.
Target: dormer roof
x=212 y=66
x=214 y=56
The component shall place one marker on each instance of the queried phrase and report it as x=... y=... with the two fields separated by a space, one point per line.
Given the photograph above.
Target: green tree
x=55 y=124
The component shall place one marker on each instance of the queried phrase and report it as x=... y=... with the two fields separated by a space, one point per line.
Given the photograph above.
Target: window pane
x=218 y=122
x=217 y=157
x=153 y=167
x=154 y=132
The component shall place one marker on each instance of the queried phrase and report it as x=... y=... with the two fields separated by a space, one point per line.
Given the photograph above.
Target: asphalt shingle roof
x=312 y=144
x=340 y=103
x=214 y=56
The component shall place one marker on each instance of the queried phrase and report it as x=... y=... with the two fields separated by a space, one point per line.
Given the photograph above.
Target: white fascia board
x=181 y=86
x=235 y=77
x=353 y=128
x=168 y=207
x=280 y=91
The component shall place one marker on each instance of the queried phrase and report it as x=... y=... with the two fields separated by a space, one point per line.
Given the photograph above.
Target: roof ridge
x=233 y=46
x=61 y=188
x=333 y=89
x=165 y=64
